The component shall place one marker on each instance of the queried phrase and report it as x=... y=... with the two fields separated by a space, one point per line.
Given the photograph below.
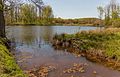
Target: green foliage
x=115 y=15
x=47 y=15
x=79 y=21
x=113 y=48
x=47 y=12
x=116 y=22
x=107 y=40
x=8 y=66
x=28 y=14
x=112 y=14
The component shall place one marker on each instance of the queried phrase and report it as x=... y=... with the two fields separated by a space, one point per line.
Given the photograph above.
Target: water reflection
x=38 y=35
x=33 y=38
x=36 y=39
x=33 y=48
x=28 y=35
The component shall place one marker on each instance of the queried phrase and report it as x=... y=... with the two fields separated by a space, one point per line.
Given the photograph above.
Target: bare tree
x=107 y=14
x=114 y=6
x=101 y=12
x=39 y=4
x=13 y=9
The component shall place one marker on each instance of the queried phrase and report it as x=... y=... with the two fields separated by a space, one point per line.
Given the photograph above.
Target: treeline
x=79 y=21
x=110 y=13
x=29 y=12
x=35 y=12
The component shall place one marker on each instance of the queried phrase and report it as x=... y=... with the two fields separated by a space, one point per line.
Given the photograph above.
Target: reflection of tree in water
x=48 y=32
x=36 y=35
x=42 y=35
x=28 y=35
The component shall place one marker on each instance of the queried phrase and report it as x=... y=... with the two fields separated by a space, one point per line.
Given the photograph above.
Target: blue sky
x=75 y=8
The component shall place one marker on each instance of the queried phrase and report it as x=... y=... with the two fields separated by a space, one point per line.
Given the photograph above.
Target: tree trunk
x=2 y=21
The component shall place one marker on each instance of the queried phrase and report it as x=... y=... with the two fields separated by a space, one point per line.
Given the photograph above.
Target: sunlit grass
x=8 y=66
x=106 y=40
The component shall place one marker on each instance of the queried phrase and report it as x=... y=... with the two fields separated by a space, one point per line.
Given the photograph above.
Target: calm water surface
x=32 y=48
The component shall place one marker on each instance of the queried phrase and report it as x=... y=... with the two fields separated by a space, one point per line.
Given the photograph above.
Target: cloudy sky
x=76 y=8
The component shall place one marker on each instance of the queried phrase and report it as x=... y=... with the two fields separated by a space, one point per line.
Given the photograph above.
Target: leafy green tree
x=115 y=15
x=28 y=14
x=47 y=14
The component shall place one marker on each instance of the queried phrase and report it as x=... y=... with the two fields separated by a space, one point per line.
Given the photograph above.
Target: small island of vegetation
x=96 y=45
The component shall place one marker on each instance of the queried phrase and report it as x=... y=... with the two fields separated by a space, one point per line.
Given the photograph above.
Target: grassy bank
x=101 y=46
x=8 y=66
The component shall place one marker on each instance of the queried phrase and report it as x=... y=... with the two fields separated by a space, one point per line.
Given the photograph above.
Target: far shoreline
x=91 y=25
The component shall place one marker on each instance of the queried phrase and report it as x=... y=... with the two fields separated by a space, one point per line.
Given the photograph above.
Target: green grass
x=8 y=66
x=106 y=40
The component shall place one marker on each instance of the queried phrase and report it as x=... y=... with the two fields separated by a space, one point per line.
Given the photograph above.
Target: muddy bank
x=8 y=66
x=100 y=46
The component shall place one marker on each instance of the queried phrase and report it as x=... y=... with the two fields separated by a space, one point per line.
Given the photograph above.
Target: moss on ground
x=8 y=66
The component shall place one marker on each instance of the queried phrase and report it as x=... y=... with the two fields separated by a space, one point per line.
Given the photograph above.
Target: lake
x=32 y=48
